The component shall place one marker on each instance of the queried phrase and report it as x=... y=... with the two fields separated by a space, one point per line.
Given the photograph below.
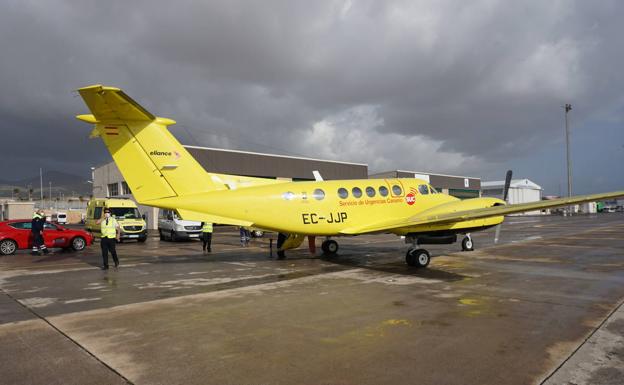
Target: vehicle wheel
x=329 y=247
x=467 y=244
x=160 y=234
x=78 y=244
x=417 y=258
x=281 y=254
x=7 y=247
x=173 y=236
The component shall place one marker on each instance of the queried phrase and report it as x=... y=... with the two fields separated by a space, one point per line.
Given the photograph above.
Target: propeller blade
x=505 y=195
x=497 y=234
x=507 y=184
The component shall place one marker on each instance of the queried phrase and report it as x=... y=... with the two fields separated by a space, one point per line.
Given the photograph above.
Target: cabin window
x=343 y=193
x=423 y=189
x=288 y=195
x=357 y=192
x=318 y=194
x=383 y=191
x=370 y=191
x=396 y=190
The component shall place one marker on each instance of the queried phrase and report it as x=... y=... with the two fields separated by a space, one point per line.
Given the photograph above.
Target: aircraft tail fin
x=153 y=163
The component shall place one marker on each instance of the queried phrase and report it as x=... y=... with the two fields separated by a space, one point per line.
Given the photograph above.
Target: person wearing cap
x=110 y=235
x=36 y=227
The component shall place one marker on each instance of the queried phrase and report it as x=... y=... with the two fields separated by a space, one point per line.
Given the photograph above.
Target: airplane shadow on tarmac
x=339 y=262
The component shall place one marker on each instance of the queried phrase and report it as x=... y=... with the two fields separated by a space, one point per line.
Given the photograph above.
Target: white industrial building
x=520 y=191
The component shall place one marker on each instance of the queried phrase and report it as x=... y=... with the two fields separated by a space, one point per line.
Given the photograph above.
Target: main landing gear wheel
x=467 y=244
x=417 y=257
x=329 y=247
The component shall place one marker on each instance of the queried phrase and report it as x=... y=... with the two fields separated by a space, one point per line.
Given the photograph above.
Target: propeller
x=505 y=195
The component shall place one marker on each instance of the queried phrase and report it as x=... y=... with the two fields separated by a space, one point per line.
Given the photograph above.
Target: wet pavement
x=542 y=306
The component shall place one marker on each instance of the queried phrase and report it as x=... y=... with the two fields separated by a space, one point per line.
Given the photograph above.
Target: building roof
x=436 y=174
x=515 y=183
x=274 y=155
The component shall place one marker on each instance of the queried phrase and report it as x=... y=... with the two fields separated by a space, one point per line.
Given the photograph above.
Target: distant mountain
x=62 y=182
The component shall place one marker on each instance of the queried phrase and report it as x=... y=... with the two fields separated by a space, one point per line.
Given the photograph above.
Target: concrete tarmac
x=542 y=306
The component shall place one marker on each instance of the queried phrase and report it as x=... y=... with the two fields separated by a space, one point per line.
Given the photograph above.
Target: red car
x=15 y=234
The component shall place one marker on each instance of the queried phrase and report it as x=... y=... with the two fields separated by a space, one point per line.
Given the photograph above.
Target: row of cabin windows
x=343 y=193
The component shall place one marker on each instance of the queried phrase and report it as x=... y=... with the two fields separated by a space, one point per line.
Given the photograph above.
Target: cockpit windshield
x=125 y=212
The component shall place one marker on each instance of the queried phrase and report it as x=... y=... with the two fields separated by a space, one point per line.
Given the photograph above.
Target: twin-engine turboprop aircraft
x=162 y=173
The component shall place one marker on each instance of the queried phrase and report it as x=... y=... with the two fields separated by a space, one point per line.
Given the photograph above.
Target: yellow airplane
x=161 y=173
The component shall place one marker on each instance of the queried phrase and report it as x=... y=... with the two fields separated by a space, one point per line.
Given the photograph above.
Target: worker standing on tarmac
x=207 y=236
x=110 y=235
x=36 y=227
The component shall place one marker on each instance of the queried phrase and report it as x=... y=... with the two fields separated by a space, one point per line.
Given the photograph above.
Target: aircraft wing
x=428 y=217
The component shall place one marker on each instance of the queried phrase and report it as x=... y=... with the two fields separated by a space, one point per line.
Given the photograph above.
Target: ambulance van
x=126 y=212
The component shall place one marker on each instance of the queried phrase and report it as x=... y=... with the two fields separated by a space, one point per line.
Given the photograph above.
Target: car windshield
x=125 y=212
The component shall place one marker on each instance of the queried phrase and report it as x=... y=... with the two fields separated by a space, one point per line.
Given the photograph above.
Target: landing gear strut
x=329 y=247
x=467 y=244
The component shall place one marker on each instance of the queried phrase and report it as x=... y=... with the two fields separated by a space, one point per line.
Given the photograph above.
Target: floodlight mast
x=568 y=108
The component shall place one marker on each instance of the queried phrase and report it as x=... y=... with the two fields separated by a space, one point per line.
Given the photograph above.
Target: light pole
x=568 y=108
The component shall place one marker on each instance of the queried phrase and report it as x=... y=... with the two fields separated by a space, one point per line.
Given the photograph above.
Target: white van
x=60 y=218
x=173 y=228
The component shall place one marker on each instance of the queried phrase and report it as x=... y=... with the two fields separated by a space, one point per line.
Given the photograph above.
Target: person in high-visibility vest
x=36 y=228
x=110 y=235
x=207 y=236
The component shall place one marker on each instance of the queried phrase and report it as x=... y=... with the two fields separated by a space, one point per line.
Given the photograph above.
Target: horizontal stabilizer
x=111 y=103
x=189 y=215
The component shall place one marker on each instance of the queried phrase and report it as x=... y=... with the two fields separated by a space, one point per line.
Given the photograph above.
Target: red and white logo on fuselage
x=410 y=199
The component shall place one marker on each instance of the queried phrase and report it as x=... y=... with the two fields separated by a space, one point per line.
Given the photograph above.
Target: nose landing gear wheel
x=329 y=247
x=417 y=257
x=467 y=244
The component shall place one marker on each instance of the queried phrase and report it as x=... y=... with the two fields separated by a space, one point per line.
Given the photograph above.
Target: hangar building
x=108 y=181
x=458 y=186
x=520 y=191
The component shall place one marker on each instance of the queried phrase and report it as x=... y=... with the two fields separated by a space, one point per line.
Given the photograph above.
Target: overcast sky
x=457 y=87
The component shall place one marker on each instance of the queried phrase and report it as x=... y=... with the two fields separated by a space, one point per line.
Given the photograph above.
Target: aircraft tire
x=329 y=247
x=418 y=258
x=467 y=244
x=409 y=258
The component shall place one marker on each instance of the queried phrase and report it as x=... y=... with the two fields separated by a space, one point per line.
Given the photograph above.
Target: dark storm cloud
x=445 y=86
